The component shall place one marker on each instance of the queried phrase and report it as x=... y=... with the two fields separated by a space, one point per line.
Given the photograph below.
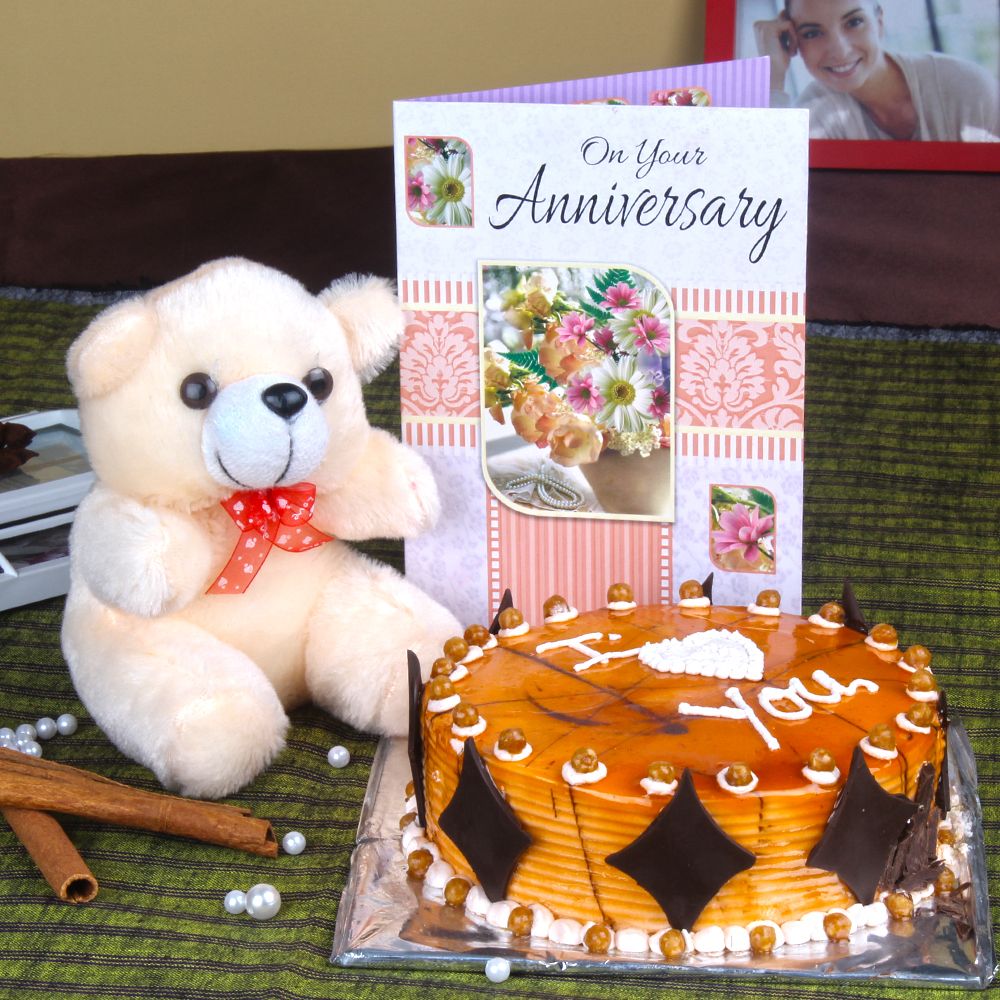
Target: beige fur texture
x=196 y=686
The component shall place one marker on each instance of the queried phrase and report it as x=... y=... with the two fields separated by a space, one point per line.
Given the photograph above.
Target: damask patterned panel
x=735 y=373
x=439 y=364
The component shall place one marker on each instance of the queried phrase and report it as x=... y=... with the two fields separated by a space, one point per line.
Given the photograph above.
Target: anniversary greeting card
x=604 y=351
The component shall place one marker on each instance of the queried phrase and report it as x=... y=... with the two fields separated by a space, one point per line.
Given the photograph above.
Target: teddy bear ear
x=110 y=349
x=369 y=312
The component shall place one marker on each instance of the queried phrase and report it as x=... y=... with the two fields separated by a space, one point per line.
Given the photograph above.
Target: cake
x=602 y=778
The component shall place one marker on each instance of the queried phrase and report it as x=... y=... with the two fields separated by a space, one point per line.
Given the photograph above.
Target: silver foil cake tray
x=385 y=920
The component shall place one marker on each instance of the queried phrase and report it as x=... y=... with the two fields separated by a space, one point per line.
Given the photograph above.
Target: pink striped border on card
x=706 y=442
x=437 y=293
x=738 y=303
x=577 y=557
x=451 y=434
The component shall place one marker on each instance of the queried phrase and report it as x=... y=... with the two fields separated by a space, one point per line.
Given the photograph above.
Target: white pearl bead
x=293 y=842
x=263 y=901
x=30 y=747
x=235 y=901
x=339 y=756
x=27 y=730
x=498 y=970
x=66 y=724
x=8 y=742
x=46 y=728
x=6 y=733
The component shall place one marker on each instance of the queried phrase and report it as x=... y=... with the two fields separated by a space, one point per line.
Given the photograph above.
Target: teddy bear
x=211 y=587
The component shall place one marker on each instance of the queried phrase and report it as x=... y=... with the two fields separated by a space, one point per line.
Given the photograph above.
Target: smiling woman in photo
x=862 y=91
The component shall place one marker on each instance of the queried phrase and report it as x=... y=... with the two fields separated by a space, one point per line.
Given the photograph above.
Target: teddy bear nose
x=284 y=399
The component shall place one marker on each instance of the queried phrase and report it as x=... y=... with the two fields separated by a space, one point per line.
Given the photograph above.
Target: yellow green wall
x=95 y=77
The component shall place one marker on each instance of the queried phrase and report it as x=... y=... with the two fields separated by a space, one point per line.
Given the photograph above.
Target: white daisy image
x=449 y=178
x=628 y=395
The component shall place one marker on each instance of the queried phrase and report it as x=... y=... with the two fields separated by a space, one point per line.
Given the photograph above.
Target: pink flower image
x=575 y=441
x=583 y=395
x=742 y=528
x=651 y=334
x=621 y=296
x=660 y=407
x=605 y=339
x=418 y=194
x=575 y=327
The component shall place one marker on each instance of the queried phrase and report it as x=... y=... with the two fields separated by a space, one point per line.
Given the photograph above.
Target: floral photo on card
x=742 y=534
x=439 y=181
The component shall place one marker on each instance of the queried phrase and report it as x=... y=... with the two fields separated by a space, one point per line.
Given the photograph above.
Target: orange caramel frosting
x=768 y=744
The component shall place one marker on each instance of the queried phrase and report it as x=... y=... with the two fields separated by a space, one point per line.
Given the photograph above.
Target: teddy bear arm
x=137 y=558
x=390 y=493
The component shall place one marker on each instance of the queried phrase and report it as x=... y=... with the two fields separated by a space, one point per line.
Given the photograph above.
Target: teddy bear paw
x=220 y=743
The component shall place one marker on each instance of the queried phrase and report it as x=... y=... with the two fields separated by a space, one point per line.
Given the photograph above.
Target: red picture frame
x=859 y=154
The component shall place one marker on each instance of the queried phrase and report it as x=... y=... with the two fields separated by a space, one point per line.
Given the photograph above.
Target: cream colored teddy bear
x=191 y=626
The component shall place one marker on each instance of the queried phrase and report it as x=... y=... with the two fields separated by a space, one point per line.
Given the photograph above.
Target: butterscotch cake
x=676 y=778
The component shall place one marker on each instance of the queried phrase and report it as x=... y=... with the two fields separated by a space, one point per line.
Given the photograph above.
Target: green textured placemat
x=903 y=494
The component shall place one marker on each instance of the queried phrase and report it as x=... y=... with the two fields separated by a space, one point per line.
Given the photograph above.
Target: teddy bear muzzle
x=263 y=431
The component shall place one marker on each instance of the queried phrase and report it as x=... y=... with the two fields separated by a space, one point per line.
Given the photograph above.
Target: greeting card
x=604 y=351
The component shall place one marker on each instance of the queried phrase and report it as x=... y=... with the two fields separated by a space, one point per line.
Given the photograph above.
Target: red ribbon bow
x=277 y=516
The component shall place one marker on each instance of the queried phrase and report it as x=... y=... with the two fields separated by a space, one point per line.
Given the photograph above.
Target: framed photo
x=889 y=84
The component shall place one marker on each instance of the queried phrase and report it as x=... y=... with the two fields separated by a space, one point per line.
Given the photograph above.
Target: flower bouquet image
x=742 y=535
x=577 y=363
x=438 y=181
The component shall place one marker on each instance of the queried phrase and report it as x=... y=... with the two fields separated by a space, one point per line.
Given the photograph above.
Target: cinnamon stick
x=33 y=783
x=54 y=854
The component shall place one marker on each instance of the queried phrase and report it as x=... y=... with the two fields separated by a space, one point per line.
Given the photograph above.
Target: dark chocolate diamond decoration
x=483 y=827
x=854 y=616
x=706 y=585
x=683 y=858
x=415 y=739
x=942 y=797
x=862 y=831
x=505 y=602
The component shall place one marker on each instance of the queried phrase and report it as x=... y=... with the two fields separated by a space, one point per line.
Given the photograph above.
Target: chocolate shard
x=862 y=831
x=483 y=826
x=913 y=863
x=706 y=585
x=683 y=858
x=942 y=797
x=415 y=738
x=505 y=602
x=855 y=617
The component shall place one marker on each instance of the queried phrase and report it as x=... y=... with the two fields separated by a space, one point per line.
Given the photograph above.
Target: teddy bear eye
x=198 y=390
x=319 y=382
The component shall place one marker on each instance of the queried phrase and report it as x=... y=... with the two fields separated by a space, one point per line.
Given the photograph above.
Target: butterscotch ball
x=917 y=656
x=442 y=667
x=922 y=680
x=882 y=736
x=884 y=634
x=520 y=920
x=837 y=926
x=512 y=740
x=477 y=635
x=410 y=789
x=440 y=688
x=821 y=760
x=464 y=714
x=768 y=599
x=691 y=590
x=511 y=618
x=456 y=648
x=661 y=770
x=833 y=612
x=417 y=863
x=598 y=939
x=739 y=774
x=946 y=882
x=555 y=605
x=946 y=835
x=619 y=592
x=672 y=944
x=406 y=819
x=921 y=714
x=899 y=905
x=763 y=939
x=584 y=761
x=456 y=890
